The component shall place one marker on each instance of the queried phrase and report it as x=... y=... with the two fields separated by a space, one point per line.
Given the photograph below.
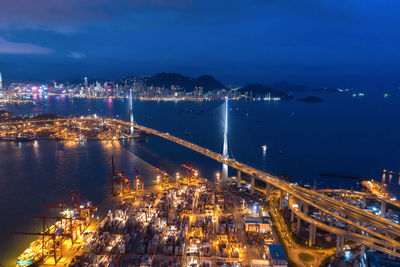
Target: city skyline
x=342 y=44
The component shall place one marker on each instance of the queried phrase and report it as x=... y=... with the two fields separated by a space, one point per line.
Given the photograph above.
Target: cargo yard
x=192 y=222
x=189 y=221
x=78 y=130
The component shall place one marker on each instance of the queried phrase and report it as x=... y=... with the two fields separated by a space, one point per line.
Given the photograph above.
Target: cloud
x=9 y=47
x=66 y=16
x=76 y=55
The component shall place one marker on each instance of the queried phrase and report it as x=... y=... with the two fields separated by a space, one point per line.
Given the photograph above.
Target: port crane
x=138 y=181
x=190 y=171
x=120 y=183
x=162 y=178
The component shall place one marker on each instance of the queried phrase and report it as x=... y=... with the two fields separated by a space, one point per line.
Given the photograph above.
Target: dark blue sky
x=350 y=43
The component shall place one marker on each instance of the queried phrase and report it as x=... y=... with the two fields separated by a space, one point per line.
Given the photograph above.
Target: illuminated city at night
x=199 y=133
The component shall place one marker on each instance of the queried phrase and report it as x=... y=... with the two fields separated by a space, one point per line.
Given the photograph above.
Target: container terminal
x=67 y=129
x=187 y=220
x=181 y=221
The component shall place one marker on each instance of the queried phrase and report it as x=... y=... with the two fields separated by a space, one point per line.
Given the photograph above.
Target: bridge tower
x=132 y=130
x=225 y=147
x=384 y=176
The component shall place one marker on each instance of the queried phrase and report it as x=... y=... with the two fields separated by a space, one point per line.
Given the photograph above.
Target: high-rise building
x=97 y=88
x=85 y=82
x=1 y=82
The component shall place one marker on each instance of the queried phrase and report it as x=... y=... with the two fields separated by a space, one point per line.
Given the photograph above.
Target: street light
x=177 y=179
x=217 y=175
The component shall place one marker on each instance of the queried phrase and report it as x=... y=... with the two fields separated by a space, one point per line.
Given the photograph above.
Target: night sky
x=349 y=43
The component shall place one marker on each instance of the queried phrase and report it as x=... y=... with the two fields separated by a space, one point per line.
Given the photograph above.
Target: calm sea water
x=344 y=135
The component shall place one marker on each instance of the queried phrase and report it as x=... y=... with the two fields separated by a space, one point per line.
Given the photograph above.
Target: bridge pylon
x=225 y=147
x=132 y=129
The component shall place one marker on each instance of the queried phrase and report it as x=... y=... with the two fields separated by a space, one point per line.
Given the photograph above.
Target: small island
x=310 y=99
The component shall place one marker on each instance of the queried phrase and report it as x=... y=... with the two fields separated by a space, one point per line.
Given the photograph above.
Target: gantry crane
x=190 y=171
x=162 y=178
x=138 y=181
x=120 y=183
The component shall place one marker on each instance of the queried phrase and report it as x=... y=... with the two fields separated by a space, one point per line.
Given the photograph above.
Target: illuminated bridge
x=337 y=217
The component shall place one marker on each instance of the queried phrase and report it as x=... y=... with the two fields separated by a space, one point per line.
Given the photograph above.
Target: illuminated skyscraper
x=85 y=82
x=97 y=88
x=1 y=82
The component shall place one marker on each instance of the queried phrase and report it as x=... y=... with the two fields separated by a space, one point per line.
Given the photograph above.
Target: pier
x=183 y=220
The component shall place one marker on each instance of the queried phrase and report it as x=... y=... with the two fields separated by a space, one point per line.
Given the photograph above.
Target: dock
x=190 y=221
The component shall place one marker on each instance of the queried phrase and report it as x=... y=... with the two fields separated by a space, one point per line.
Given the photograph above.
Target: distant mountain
x=287 y=87
x=260 y=90
x=164 y=79
x=208 y=83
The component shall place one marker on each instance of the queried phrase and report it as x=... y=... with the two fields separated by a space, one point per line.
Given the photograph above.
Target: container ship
x=69 y=227
x=31 y=255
